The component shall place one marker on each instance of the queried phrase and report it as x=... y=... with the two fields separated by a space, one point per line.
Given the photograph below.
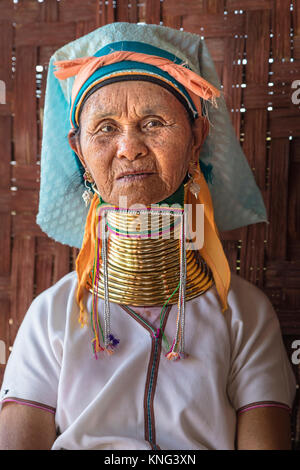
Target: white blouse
x=136 y=398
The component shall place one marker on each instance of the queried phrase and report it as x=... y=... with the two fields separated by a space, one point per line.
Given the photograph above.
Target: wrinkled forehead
x=132 y=98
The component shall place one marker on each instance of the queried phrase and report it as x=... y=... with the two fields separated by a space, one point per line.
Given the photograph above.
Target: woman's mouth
x=131 y=177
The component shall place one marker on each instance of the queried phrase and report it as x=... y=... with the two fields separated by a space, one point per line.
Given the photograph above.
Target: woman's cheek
x=175 y=164
x=97 y=154
x=170 y=180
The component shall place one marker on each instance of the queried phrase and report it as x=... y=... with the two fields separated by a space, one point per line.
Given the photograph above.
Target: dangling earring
x=87 y=195
x=193 y=170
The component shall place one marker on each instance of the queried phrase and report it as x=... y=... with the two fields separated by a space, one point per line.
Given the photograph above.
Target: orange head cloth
x=84 y=67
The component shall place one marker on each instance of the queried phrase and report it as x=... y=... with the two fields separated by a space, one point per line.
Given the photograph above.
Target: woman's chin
x=143 y=196
x=128 y=201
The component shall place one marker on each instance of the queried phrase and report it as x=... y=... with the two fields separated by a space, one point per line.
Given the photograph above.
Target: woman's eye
x=154 y=123
x=107 y=128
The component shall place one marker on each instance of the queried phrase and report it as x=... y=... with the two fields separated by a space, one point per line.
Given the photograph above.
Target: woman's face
x=136 y=141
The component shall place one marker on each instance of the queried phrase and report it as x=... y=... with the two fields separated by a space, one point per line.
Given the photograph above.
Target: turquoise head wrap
x=117 y=72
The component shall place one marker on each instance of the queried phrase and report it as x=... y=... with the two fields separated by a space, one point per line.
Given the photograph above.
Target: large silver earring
x=193 y=170
x=87 y=195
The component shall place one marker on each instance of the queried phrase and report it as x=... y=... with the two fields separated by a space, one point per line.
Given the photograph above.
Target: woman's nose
x=131 y=145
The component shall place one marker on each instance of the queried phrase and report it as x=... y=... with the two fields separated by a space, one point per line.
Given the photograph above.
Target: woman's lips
x=134 y=177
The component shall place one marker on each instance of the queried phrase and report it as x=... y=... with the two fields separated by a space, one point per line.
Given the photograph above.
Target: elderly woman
x=174 y=351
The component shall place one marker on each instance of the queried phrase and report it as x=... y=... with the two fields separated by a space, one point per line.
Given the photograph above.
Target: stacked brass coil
x=146 y=271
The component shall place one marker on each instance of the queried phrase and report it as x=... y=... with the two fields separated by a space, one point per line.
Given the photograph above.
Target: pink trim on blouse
x=30 y=403
x=251 y=406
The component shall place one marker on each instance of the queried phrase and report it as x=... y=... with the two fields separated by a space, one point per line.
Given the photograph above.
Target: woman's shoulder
x=243 y=296
x=54 y=303
x=247 y=302
x=63 y=288
x=240 y=287
x=243 y=289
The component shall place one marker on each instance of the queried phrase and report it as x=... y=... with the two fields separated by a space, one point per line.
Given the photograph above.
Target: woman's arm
x=265 y=428
x=26 y=428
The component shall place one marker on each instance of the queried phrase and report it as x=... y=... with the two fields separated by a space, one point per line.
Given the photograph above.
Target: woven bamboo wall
x=255 y=45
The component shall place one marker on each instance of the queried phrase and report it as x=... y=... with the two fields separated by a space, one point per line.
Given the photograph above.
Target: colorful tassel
x=113 y=342
x=173 y=356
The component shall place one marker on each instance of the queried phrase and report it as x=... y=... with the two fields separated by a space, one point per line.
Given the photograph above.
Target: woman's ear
x=74 y=142
x=200 y=129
